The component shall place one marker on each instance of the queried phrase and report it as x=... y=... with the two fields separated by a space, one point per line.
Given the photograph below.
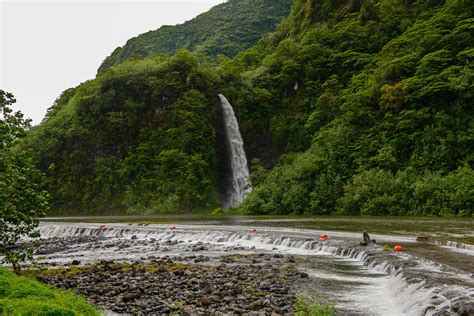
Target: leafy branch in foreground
x=22 y=201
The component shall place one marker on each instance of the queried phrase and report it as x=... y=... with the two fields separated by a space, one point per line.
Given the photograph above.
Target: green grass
x=20 y=295
x=306 y=305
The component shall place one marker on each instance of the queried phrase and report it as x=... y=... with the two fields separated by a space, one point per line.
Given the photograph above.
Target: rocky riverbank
x=208 y=270
x=251 y=285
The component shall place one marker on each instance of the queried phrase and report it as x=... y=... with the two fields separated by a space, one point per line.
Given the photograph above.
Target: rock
x=129 y=297
x=423 y=239
x=206 y=300
x=303 y=275
x=189 y=310
x=255 y=305
x=151 y=288
x=75 y=262
x=199 y=248
x=463 y=308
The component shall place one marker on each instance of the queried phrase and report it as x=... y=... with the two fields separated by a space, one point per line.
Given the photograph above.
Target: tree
x=22 y=201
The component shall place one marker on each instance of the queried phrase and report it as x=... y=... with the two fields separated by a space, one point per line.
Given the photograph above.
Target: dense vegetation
x=140 y=136
x=226 y=29
x=382 y=120
x=23 y=296
x=349 y=107
x=22 y=199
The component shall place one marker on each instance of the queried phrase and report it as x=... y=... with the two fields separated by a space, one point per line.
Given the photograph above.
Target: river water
x=360 y=280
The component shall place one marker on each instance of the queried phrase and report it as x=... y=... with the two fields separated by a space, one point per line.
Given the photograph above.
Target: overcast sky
x=47 y=47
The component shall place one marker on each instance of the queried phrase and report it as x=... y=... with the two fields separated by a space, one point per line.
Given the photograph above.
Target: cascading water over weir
x=363 y=280
x=237 y=185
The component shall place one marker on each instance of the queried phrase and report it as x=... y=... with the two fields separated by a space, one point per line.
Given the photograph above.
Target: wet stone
x=166 y=286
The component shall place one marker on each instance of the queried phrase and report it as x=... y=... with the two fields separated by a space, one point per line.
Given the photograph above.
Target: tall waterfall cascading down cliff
x=238 y=185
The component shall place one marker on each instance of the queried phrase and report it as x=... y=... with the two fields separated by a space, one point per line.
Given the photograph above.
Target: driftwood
x=367 y=241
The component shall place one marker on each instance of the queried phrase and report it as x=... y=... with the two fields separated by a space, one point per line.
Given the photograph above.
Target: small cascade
x=397 y=283
x=238 y=186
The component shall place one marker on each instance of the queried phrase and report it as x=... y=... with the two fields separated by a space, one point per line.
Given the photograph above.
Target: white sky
x=47 y=47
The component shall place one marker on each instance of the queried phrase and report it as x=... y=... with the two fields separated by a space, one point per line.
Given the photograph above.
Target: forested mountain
x=226 y=29
x=355 y=107
x=140 y=136
x=371 y=102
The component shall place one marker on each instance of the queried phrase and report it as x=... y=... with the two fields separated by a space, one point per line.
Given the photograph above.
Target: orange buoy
x=398 y=248
x=101 y=226
x=323 y=236
x=253 y=230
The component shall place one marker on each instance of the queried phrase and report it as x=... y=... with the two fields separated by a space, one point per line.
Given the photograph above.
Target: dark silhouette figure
x=367 y=241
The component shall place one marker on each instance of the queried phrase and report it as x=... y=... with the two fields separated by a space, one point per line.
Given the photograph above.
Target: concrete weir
x=360 y=280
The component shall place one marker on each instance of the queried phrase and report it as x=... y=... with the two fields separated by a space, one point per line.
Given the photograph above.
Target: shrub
x=306 y=305
x=450 y=195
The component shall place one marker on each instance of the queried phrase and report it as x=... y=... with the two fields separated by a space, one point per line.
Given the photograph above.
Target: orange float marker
x=398 y=248
x=323 y=236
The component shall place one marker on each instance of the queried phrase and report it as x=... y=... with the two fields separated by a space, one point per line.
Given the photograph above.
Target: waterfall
x=238 y=184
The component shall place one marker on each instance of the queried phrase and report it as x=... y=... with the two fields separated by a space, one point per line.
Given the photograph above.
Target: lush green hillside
x=349 y=107
x=226 y=29
x=139 y=137
x=371 y=102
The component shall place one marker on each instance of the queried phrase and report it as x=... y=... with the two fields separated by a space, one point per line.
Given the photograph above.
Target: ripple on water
x=362 y=282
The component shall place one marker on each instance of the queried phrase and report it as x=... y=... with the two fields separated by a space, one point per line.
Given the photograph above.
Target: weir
x=233 y=169
x=362 y=280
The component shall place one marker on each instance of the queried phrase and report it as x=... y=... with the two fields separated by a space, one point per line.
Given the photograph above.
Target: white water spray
x=239 y=186
x=363 y=280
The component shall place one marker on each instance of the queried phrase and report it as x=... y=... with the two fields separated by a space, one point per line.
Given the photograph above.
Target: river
x=359 y=280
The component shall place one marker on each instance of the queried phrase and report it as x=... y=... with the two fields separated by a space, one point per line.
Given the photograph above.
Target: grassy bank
x=24 y=296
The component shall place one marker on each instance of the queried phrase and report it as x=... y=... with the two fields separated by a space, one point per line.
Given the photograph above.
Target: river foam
x=369 y=281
